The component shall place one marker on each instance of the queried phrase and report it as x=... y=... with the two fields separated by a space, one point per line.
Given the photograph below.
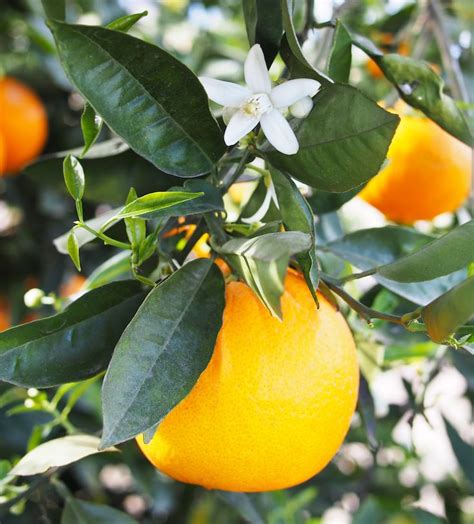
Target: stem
x=79 y=211
x=106 y=239
x=239 y=170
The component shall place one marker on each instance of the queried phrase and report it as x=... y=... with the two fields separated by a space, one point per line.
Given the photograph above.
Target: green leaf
x=150 y=99
x=69 y=346
x=441 y=256
x=262 y=262
x=340 y=58
x=449 y=311
x=154 y=202
x=264 y=26
x=56 y=453
x=322 y=202
x=343 y=141
x=242 y=504
x=91 y=125
x=124 y=23
x=163 y=351
x=462 y=451
x=74 y=177
x=420 y=87
x=112 y=168
x=78 y=511
x=55 y=9
x=115 y=267
x=369 y=248
x=294 y=45
x=73 y=249
x=297 y=216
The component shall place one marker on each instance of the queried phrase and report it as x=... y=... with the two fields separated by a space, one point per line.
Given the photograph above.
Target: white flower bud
x=302 y=108
x=33 y=298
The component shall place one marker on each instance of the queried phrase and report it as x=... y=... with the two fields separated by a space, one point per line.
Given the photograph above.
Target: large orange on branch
x=23 y=125
x=428 y=173
x=274 y=403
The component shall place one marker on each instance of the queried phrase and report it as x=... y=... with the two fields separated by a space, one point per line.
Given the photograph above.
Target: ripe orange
x=72 y=286
x=429 y=173
x=5 y=321
x=23 y=124
x=274 y=403
x=3 y=156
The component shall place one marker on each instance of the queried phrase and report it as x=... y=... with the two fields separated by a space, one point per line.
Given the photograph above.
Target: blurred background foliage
x=407 y=458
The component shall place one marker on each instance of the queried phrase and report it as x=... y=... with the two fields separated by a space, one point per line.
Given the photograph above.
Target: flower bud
x=302 y=108
x=33 y=298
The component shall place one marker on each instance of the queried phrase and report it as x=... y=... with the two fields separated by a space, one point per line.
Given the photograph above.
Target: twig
x=236 y=174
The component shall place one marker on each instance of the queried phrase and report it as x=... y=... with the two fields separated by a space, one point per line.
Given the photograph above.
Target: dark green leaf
x=449 y=311
x=55 y=9
x=163 y=351
x=111 y=167
x=343 y=141
x=91 y=125
x=74 y=177
x=242 y=504
x=294 y=45
x=145 y=95
x=264 y=26
x=462 y=450
x=69 y=346
x=156 y=202
x=322 y=202
x=56 y=453
x=124 y=23
x=73 y=249
x=262 y=262
x=297 y=216
x=369 y=248
x=441 y=256
x=78 y=511
x=340 y=58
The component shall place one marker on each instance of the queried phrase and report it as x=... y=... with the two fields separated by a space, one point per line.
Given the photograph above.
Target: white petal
x=240 y=124
x=256 y=72
x=225 y=93
x=302 y=108
x=279 y=133
x=262 y=210
x=228 y=113
x=287 y=94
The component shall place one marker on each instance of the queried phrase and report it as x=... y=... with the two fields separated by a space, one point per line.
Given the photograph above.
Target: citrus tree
x=235 y=310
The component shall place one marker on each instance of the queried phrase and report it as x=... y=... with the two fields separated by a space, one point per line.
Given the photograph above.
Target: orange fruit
x=3 y=156
x=5 y=321
x=23 y=124
x=274 y=403
x=72 y=286
x=429 y=173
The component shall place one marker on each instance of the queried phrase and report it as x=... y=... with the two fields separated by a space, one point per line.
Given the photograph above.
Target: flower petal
x=287 y=94
x=302 y=108
x=240 y=124
x=279 y=133
x=225 y=93
x=256 y=72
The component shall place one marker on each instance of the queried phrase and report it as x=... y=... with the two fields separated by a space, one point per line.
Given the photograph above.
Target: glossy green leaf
x=116 y=267
x=150 y=99
x=294 y=45
x=369 y=248
x=343 y=141
x=72 y=345
x=441 y=256
x=111 y=167
x=73 y=249
x=297 y=216
x=462 y=450
x=74 y=177
x=163 y=351
x=449 y=311
x=340 y=58
x=124 y=23
x=56 y=453
x=91 y=125
x=55 y=9
x=262 y=262
x=264 y=26
x=78 y=511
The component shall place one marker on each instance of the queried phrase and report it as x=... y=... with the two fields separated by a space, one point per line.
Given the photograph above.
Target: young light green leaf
x=297 y=216
x=91 y=125
x=163 y=351
x=118 y=266
x=154 y=202
x=262 y=262
x=56 y=453
x=78 y=511
x=449 y=311
x=73 y=345
x=124 y=23
x=340 y=58
x=73 y=249
x=74 y=177
x=343 y=141
x=175 y=129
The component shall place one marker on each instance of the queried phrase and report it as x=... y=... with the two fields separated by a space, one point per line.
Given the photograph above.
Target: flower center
x=257 y=105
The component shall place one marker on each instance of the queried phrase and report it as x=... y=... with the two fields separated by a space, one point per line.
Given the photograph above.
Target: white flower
x=258 y=102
